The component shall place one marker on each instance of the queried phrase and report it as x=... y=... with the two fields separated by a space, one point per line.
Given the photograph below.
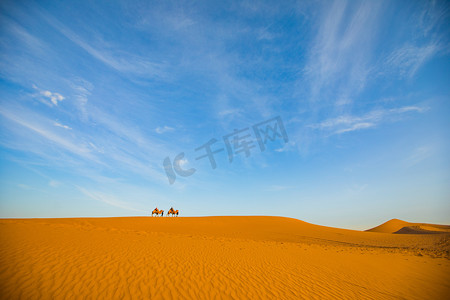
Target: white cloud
x=356 y=126
x=164 y=129
x=348 y=123
x=62 y=126
x=94 y=147
x=408 y=108
x=54 y=98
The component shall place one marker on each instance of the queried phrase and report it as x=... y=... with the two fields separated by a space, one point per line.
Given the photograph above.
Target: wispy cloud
x=227 y=112
x=113 y=145
x=82 y=89
x=108 y=199
x=57 y=124
x=164 y=129
x=287 y=147
x=357 y=126
x=419 y=154
x=339 y=59
x=20 y=33
x=116 y=58
x=43 y=127
x=348 y=123
x=408 y=59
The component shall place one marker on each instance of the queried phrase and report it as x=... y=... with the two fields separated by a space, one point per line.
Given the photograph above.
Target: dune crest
x=403 y=227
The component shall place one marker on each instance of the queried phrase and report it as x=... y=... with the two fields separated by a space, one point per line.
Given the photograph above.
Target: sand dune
x=217 y=257
x=402 y=227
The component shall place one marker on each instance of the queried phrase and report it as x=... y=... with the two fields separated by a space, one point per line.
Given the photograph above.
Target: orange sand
x=216 y=257
x=399 y=226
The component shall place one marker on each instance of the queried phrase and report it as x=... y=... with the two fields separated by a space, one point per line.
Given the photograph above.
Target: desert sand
x=399 y=226
x=220 y=257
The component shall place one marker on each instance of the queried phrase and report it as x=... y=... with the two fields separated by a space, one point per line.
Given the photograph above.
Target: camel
x=158 y=212
x=173 y=212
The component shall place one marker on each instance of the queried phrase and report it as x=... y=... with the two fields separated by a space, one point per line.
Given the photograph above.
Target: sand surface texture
x=220 y=257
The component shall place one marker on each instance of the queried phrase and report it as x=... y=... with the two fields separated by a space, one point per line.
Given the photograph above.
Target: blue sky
x=96 y=94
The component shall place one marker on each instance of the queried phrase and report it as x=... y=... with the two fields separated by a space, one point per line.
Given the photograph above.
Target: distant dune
x=219 y=257
x=399 y=226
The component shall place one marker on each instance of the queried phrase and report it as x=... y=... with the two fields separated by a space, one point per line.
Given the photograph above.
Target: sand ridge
x=402 y=227
x=215 y=257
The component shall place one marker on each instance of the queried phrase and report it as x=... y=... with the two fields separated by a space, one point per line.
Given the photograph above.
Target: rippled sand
x=216 y=257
